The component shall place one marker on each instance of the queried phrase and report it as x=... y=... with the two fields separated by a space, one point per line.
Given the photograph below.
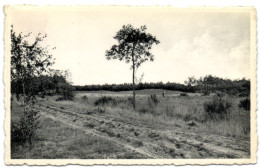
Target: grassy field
x=56 y=140
x=172 y=108
x=97 y=124
x=139 y=93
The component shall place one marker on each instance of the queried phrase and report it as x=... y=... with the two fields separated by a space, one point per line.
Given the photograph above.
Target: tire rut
x=153 y=143
x=149 y=155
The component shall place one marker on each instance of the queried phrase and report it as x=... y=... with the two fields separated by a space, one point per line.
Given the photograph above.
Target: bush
x=183 y=94
x=145 y=109
x=245 y=104
x=84 y=97
x=100 y=110
x=113 y=101
x=130 y=100
x=66 y=90
x=153 y=100
x=25 y=130
x=17 y=134
x=218 y=107
x=205 y=93
x=61 y=98
x=106 y=100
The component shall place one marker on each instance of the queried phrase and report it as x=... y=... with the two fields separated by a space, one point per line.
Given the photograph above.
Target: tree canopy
x=134 y=45
x=29 y=59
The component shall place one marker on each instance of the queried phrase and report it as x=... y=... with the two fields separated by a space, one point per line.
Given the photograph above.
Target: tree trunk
x=23 y=85
x=133 y=77
x=133 y=86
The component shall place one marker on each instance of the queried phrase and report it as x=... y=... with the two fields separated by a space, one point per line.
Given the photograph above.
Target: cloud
x=213 y=52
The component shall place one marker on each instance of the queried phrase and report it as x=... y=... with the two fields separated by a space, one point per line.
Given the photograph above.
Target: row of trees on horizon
x=56 y=83
x=205 y=84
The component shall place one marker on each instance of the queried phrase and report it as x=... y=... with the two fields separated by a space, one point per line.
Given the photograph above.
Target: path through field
x=149 y=142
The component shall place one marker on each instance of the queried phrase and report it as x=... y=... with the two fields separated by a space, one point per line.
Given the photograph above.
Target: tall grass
x=218 y=108
x=237 y=126
x=170 y=111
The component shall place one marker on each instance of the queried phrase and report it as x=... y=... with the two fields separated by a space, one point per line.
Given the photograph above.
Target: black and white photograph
x=130 y=85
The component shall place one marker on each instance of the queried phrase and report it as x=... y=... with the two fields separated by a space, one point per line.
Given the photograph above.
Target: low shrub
x=153 y=135
x=144 y=110
x=106 y=100
x=130 y=100
x=245 y=104
x=84 y=97
x=61 y=98
x=17 y=134
x=66 y=90
x=90 y=125
x=184 y=94
x=25 y=130
x=100 y=110
x=187 y=117
x=153 y=100
x=205 y=93
x=150 y=106
x=218 y=107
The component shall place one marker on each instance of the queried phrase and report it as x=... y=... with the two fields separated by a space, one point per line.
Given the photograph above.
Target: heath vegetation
x=53 y=119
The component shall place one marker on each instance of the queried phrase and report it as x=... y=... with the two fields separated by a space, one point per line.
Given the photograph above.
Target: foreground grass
x=57 y=141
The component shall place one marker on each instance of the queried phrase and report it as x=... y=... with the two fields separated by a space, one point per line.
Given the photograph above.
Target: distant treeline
x=57 y=84
x=140 y=86
x=205 y=85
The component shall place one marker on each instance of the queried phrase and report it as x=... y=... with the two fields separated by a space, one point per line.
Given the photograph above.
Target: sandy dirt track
x=150 y=142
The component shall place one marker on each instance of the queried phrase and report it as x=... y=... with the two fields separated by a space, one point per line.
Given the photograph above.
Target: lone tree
x=133 y=46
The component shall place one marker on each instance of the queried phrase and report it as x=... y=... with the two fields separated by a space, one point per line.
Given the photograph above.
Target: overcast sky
x=191 y=43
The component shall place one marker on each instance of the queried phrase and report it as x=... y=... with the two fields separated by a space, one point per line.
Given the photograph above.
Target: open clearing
x=139 y=93
x=175 y=128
